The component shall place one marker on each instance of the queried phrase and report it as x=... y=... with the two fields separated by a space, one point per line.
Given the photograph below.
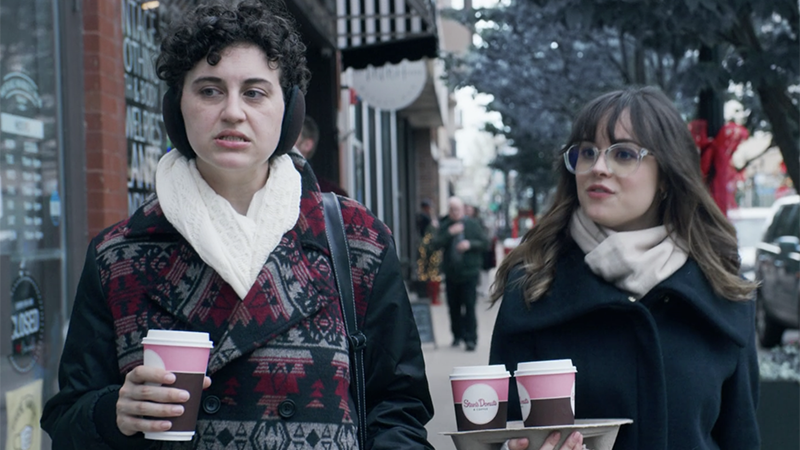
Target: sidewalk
x=440 y=360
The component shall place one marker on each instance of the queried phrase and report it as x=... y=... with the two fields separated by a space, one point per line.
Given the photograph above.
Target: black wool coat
x=681 y=362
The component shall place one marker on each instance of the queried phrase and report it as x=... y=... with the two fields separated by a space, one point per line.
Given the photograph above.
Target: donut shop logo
x=525 y=401
x=480 y=403
x=22 y=90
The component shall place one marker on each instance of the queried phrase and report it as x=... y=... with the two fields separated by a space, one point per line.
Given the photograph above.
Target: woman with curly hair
x=234 y=244
x=633 y=274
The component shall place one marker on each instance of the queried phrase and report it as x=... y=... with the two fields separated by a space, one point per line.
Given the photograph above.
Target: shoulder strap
x=340 y=255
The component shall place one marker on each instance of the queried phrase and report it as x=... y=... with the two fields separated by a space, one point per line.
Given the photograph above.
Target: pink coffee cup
x=480 y=394
x=184 y=353
x=546 y=392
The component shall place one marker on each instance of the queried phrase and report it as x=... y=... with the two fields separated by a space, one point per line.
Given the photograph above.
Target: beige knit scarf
x=634 y=261
x=235 y=245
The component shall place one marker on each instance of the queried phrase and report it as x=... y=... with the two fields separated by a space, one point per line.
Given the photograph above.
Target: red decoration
x=715 y=159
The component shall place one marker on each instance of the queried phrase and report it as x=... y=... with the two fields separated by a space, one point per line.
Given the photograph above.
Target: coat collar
x=575 y=283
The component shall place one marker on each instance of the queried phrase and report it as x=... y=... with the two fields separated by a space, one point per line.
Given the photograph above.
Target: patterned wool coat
x=280 y=364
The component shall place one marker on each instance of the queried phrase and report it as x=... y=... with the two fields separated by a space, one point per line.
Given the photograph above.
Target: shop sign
x=27 y=323
x=391 y=87
x=24 y=406
x=23 y=185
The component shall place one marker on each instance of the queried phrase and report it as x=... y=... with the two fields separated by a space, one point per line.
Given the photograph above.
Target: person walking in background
x=633 y=274
x=307 y=145
x=429 y=260
x=462 y=241
x=234 y=244
x=489 y=257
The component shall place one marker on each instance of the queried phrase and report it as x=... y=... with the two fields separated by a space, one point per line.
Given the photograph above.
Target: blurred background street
x=441 y=358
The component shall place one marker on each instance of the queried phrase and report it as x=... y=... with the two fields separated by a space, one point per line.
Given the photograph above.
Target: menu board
x=29 y=196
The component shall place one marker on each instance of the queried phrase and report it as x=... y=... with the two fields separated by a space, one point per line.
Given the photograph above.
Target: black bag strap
x=340 y=255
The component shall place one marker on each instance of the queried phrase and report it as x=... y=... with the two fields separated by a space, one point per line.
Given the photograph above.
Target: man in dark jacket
x=463 y=242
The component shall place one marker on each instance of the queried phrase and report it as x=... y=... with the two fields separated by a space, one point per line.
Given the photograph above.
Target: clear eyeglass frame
x=615 y=166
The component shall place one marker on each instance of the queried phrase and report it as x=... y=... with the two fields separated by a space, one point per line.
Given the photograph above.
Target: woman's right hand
x=573 y=442
x=137 y=399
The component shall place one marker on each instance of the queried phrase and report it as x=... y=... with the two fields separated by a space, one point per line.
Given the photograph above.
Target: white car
x=750 y=224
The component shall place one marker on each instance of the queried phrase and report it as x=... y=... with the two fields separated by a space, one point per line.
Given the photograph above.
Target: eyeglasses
x=622 y=159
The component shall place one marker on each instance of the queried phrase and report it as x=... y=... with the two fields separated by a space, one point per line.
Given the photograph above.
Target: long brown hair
x=687 y=211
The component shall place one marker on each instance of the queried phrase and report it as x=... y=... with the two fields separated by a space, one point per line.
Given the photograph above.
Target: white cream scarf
x=634 y=261
x=234 y=245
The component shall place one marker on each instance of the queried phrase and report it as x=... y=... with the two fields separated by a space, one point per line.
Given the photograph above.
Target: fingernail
x=165 y=425
x=183 y=396
x=169 y=378
x=177 y=410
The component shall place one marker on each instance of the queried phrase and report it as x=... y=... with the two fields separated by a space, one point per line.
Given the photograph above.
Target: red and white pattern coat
x=280 y=362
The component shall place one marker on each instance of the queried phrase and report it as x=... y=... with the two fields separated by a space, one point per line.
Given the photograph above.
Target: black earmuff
x=173 y=122
x=291 y=125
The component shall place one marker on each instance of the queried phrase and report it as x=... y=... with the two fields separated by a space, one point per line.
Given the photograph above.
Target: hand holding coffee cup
x=174 y=358
x=139 y=396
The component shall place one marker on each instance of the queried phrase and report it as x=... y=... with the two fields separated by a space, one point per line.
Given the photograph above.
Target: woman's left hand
x=573 y=442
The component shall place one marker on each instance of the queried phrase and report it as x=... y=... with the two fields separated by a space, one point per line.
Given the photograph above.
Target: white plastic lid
x=545 y=367
x=479 y=372
x=177 y=338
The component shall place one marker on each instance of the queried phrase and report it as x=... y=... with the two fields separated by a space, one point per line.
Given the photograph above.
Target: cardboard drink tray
x=598 y=434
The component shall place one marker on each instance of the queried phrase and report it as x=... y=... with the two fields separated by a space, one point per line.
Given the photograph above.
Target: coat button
x=211 y=404
x=287 y=409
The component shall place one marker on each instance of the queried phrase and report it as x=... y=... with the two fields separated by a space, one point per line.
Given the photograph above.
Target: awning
x=374 y=32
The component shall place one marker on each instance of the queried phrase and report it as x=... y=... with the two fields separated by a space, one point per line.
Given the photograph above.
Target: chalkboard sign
x=422 y=315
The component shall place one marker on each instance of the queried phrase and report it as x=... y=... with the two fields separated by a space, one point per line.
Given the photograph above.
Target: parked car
x=778 y=270
x=749 y=224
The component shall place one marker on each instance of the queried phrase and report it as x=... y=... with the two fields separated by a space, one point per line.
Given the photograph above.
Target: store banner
x=24 y=406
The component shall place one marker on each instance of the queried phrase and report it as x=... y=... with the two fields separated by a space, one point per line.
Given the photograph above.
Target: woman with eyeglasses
x=633 y=274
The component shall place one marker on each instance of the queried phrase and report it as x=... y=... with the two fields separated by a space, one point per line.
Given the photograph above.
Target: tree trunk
x=782 y=115
x=710 y=106
x=638 y=60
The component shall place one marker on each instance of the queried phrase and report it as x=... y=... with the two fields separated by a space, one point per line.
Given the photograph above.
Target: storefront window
x=143 y=24
x=31 y=208
x=144 y=126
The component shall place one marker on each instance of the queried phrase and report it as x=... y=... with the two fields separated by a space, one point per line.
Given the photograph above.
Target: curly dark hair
x=210 y=29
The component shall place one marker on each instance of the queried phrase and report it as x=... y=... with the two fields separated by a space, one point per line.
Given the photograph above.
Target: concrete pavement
x=440 y=360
